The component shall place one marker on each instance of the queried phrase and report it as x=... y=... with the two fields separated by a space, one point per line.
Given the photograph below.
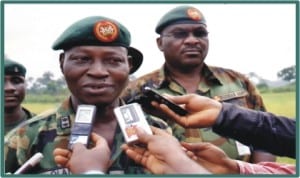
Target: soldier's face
x=184 y=44
x=14 y=91
x=96 y=75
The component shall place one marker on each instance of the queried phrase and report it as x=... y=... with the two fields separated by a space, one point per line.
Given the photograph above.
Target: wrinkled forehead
x=184 y=26
x=98 y=50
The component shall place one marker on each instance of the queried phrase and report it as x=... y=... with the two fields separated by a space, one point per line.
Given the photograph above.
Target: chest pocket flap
x=228 y=92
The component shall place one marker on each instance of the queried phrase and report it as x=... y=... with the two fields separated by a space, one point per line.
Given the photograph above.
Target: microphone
x=35 y=159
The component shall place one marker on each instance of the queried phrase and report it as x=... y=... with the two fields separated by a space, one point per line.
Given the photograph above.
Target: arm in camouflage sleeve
x=10 y=153
x=254 y=100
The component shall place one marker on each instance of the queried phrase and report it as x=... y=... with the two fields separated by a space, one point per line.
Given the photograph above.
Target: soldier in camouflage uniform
x=184 y=42
x=96 y=62
x=14 y=94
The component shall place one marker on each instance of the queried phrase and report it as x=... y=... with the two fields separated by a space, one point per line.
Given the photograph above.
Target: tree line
x=46 y=84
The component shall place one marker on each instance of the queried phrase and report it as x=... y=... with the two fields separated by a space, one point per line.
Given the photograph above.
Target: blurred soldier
x=184 y=42
x=14 y=94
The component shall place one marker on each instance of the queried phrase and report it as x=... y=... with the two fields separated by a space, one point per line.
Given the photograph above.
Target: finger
x=142 y=135
x=61 y=160
x=195 y=146
x=179 y=119
x=134 y=155
x=124 y=146
x=98 y=139
x=164 y=108
x=158 y=131
x=136 y=149
x=61 y=152
x=78 y=147
x=181 y=99
x=192 y=155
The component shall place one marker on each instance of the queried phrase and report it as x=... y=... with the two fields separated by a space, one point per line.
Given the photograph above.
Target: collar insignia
x=65 y=122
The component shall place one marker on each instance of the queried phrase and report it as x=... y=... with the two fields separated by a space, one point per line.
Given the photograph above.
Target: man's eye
x=200 y=33
x=180 y=34
x=17 y=80
x=81 y=58
x=115 y=60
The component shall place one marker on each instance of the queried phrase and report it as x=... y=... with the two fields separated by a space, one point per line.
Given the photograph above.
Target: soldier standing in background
x=14 y=94
x=184 y=42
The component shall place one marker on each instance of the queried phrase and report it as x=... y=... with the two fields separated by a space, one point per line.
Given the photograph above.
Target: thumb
x=76 y=147
x=142 y=135
x=97 y=139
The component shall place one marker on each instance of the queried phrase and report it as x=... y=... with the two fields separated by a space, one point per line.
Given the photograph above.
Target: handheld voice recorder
x=129 y=117
x=80 y=132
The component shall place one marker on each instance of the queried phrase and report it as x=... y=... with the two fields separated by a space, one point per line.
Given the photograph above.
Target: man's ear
x=61 y=61
x=159 y=43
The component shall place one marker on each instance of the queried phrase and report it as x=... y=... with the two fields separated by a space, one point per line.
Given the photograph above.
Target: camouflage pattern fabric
x=50 y=130
x=219 y=83
x=28 y=115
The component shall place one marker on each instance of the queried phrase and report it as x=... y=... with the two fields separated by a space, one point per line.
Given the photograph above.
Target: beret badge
x=16 y=70
x=106 y=31
x=193 y=13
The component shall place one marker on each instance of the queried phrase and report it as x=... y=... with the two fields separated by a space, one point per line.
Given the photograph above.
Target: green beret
x=13 y=68
x=180 y=15
x=98 y=31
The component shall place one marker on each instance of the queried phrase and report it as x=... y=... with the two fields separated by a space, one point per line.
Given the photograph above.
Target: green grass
x=283 y=103
x=39 y=107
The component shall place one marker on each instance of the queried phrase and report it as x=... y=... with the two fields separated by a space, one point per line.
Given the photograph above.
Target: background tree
x=287 y=74
x=47 y=85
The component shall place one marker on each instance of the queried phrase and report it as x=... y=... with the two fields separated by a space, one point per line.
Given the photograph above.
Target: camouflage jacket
x=221 y=84
x=28 y=115
x=50 y=130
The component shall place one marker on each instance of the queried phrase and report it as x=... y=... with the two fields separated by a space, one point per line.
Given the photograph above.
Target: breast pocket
x=235 y=97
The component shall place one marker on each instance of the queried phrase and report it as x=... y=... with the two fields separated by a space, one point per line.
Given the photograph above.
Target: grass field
x=39 y=107
x=283 y=104
x=279 y=103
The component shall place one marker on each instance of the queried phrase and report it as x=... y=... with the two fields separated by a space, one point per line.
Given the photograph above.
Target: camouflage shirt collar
x=65 y=115
x=210 y=75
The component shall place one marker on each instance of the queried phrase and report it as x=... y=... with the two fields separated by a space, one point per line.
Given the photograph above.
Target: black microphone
x=36 y=158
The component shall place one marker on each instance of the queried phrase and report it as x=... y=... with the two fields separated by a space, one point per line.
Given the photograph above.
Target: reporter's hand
x=81 y=159
x=211 y=157
x=157 y=157
x=203 y=111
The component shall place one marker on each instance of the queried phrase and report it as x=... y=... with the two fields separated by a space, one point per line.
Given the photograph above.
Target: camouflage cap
x=98 y=31
x=180 y=15
x=13 y=68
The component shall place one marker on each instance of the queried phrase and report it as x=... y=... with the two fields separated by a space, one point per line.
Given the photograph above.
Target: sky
x=258 y=38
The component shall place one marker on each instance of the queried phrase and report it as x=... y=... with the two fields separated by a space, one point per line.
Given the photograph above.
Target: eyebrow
x=180 y=28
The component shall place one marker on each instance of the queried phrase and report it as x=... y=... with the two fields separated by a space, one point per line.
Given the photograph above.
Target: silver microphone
x=35 y=159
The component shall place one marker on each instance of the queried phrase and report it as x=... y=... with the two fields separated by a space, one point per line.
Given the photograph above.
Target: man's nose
x=191 y=38
x=9 y=86
x=98 y=69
